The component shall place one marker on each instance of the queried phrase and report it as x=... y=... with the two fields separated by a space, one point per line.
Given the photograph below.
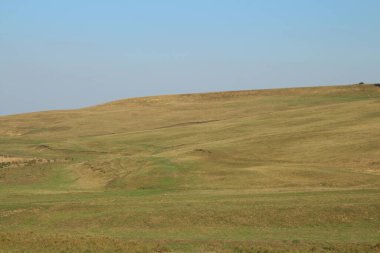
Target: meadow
x=285 y=170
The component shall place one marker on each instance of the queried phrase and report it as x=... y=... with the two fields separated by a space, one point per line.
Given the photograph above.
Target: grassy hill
x=248 y=171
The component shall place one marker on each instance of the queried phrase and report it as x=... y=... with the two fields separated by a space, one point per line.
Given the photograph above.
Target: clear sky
x=75 y=53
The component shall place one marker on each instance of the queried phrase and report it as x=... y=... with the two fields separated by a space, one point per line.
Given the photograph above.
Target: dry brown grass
x=30 y=242
x=251 y=171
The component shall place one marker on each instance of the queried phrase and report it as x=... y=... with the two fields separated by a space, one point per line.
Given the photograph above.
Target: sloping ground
x=298 y=168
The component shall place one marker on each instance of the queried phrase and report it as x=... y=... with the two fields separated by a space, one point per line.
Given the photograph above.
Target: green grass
x=289 y=170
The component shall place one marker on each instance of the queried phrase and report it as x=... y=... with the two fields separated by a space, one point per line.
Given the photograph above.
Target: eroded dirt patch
x=11 y=161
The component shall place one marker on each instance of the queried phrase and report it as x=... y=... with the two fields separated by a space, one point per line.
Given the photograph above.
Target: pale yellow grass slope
x=304 y=137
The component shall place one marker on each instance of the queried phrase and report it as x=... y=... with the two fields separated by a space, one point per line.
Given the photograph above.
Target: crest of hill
x=226 y=95
x=157 y=112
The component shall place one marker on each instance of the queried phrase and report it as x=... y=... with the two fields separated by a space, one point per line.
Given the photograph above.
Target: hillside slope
x=198 y=172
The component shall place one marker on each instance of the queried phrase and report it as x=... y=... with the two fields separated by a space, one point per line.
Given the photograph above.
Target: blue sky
x=75 y=53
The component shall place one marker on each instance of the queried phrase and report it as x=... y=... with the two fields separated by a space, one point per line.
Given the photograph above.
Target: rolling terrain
x=285 y=170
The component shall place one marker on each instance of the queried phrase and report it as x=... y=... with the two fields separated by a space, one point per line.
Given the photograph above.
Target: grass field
x=287 y=170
